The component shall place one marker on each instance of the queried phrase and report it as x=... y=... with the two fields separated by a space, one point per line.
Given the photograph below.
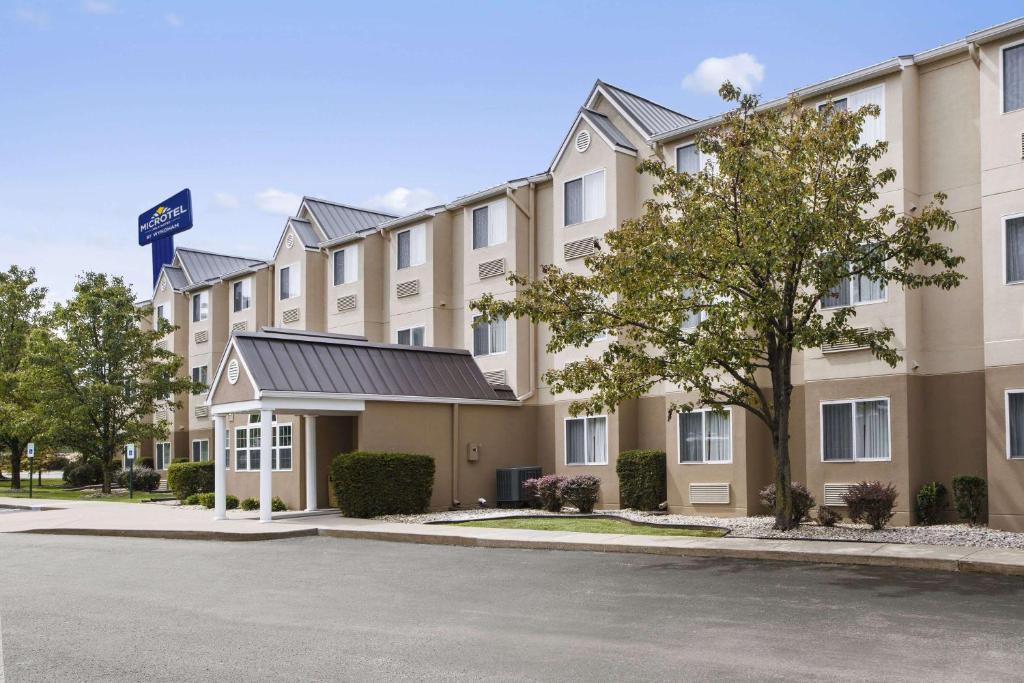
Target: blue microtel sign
x=168 y=218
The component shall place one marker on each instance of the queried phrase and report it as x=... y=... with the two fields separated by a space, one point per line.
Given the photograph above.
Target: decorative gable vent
x=202 y=336
x=491 y=268
x=709 y=494
x=407 y=288
x=233 y=371
x=834 y=494
x=290 y=240
x=202 y=411
x=496 y=377
x=582 y=141
x=579 y=248
x=290 y=316
x=346 y=303
x=845 y=345
x=240 y=327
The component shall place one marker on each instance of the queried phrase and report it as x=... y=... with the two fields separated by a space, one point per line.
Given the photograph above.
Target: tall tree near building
x=21 y=305
x=722 y=279
x=99 y=372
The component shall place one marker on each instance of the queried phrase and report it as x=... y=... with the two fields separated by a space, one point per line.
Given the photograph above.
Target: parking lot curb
x=177 y=534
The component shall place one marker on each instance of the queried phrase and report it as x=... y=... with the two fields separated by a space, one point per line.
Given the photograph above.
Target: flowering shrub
x=871 y=502
x=546 y=490
x=803 y=501
x=581 y=492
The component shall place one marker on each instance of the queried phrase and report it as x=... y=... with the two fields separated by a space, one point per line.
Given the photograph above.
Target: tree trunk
x=16 y=451
x=106 y=477
x=782 y=393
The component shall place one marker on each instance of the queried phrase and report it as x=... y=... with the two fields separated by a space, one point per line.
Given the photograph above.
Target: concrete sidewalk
x=161 y=521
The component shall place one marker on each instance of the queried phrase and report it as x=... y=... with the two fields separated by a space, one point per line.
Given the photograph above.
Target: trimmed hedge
x=370 y=484
x=79 y=473
x=146 y=479
x=186 y=478
x=642 y=483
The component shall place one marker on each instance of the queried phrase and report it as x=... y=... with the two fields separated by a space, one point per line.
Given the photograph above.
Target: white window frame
x=192 y=451
x=583 y=197
x=1006 y=271
x=586 y=433
x=417 y=235
x=490 y=336
x=204 y=306
x=847 y=95
x=821 y=429
x=246 y=285
x=854 y=304
x=156 y=314
x=410 y=330
x=1002 y=77
x=702 y=158
x=254 y=426
x=294 y=281
x=167 y=459
x=350 y=254
x=1006 y=421
x=704 y=447
x=204 y=367
x=497 y=230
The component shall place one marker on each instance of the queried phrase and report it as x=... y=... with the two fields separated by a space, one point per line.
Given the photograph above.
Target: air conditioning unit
x=846 y=344
x=578 y=248
x=290 y=316
x=491 y=268
x=239 y=327
x=202 y=336
x=346 y=303
x=714 y=494
x=202 y=411
x=834 y=494
x=510 y=484
x=407 y=288
x=496 y=377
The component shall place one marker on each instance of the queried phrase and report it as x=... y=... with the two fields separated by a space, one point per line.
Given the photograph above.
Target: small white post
x=266 y=463
x=310 y=443
x=220 y=493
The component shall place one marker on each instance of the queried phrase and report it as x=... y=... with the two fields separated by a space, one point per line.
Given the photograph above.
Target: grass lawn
x=51 y=490
x=590 y=525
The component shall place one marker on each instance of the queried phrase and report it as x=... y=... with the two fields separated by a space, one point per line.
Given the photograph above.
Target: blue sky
x=109 y=106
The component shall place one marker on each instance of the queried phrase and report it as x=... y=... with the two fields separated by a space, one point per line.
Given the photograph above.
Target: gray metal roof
x=176 y=277
x=338 y=220
x=206 y=266
x=604 y=124
x=303 y=361
x=650 y=116
x=306 y=232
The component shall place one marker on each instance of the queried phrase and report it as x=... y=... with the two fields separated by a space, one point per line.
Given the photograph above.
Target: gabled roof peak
x=648 y=117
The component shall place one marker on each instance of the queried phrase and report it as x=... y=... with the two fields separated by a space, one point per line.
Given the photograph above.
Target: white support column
x=220 y=492
x=266 y=463
x=310 y=443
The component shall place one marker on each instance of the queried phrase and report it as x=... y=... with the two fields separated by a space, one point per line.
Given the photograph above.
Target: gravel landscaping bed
x=761 y=527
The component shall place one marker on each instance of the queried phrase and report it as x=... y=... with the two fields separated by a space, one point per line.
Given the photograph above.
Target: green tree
x=21 y=305
x=99 y=372
x=721 y=280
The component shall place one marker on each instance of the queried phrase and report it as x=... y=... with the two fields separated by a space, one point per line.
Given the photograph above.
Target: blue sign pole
x=159 y=225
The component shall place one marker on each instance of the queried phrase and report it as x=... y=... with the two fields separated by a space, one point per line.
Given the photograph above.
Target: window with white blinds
x=1013 y=237
x=1015 y=423
x=687 y=159
x=346 y=265
x=586 y=441
x=490 y=225
x=584 y=198
x=874 y=126
x=855 y=430
x=488 y=338
x=412 y=247
x=288 y=282
x=705 y=435
x=1013 y=77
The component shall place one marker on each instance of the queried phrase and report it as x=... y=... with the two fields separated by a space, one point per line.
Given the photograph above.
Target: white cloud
x=33 y=17
x=279 y=202
x=97 y=7
x=222 y=201
x=742 y=70
x=174 y=20
x=404 y=200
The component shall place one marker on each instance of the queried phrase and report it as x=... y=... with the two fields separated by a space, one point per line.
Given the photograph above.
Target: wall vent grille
x=834 y=494
x=162 y=345
x=346 y=303
x=202 y=411
x=1022 y=145
x=491 y=268
x=407 y=288
x=496 y=377
x=240 y=327
x=847 y=345
x=161 y=416
x=579 y=248
x=709 y=494
x=202 y=336
x=582 y=141
x=290 y=316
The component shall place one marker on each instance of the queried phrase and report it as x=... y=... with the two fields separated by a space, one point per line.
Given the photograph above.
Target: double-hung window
x=411 y=336
x=489 y=225
x=488 y=338
x=855 y=430
x=705 y=435
x=693 y=317
x=1015 y=423
x=200 y=374
x=247 y=446
x=688 y=159
x=200 y=306
x=584 y=198
x=288 y=282
x=853 y=290
x=874 y=126
x=160 y=313
x=163 y=455
x=201 y=450
x=586 y=441
x=241 y=295
x=1013 y=238
x=346 y=265
x=412 y=247
x=1013 y=77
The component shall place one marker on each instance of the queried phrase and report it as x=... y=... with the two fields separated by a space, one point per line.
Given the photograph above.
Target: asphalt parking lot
x=110 y=609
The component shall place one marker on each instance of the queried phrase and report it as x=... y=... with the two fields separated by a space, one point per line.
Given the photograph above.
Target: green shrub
x=205 y=499
x=827 y=516
x=803 y=501
x=249 y=504
x=642 y=483
x=871 y=502
x=186 y=478
x=146 y=479
x=145 y=462
x=931 y=503
x=180 y=458
x=80 y=473
x=277 y=505
x=231 y=502
x=371 y=484
x=969 y=495
x=581 y=492
x=191 y=500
